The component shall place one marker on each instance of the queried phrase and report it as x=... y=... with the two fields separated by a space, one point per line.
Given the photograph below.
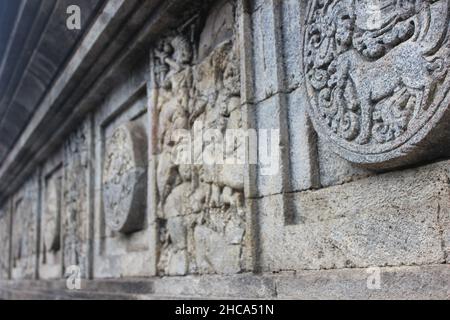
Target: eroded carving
x=24 y=233
x=124 y=179
x=376 y=74
x=51 y=225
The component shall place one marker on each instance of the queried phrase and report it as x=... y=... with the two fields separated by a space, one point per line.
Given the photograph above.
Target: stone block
x=392 y=219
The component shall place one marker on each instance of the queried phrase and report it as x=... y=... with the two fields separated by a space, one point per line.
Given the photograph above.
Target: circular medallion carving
x=125 y=179
x=376 y=74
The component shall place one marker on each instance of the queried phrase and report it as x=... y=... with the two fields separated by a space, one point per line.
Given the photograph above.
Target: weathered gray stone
x=198 y=190
x=400 y=223
x=76 y=224
x=267 y=70
x=125 y=179
x=5 y=225
x=378 y=90
x=401 y=283
x=335 y=170
x=303 y=153
x=271 y=171
x=214 y=254
x=50 y=252
x=24 y=239
x=178 y=263
x=292 y=39
x=124 y=169
x=119 y=254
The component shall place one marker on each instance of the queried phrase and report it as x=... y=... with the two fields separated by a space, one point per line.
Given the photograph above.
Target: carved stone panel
x=51 y=217
x=24 y=232
x=50 y=262
x=5 y=234
x=123 y=232
x=201 y=208
x=125 y=179
x=377 y=78
x=75 y=214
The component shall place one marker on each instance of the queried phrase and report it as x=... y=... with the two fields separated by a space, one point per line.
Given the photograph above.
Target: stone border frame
x=127 y=97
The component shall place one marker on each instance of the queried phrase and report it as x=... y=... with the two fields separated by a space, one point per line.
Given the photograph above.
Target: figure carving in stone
x=4 y=241
x=200 y=207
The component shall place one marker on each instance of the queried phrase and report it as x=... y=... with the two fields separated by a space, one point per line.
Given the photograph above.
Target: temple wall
x=136 y=197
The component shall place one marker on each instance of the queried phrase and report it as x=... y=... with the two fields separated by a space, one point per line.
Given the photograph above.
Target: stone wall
x=5 y=248
x=200 y=208
x=136 y=195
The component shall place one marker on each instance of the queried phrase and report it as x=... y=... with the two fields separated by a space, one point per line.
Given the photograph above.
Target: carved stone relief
x=377 y=78
x=75 y=201
x=124 y=179
x=51 y=253
x=24 y=232
x=51 y=217
x=201 y=206
x=4 y=241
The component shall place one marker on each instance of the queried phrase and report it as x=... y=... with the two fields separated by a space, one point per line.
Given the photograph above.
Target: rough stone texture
x=50 y=252
x=334 y=170
x=279 y=98
x=377 y=79
x=125 y=178
x=267 y=72
x=76 y=200
x=121 y=184
x=24 y=231
x=401 y=283
x=119 y=170
x=404 y=221
x=5 y=224
x=201 y=210
x=35 y=50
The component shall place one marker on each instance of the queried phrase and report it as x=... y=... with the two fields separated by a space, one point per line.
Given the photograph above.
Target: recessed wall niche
x=122 y=245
